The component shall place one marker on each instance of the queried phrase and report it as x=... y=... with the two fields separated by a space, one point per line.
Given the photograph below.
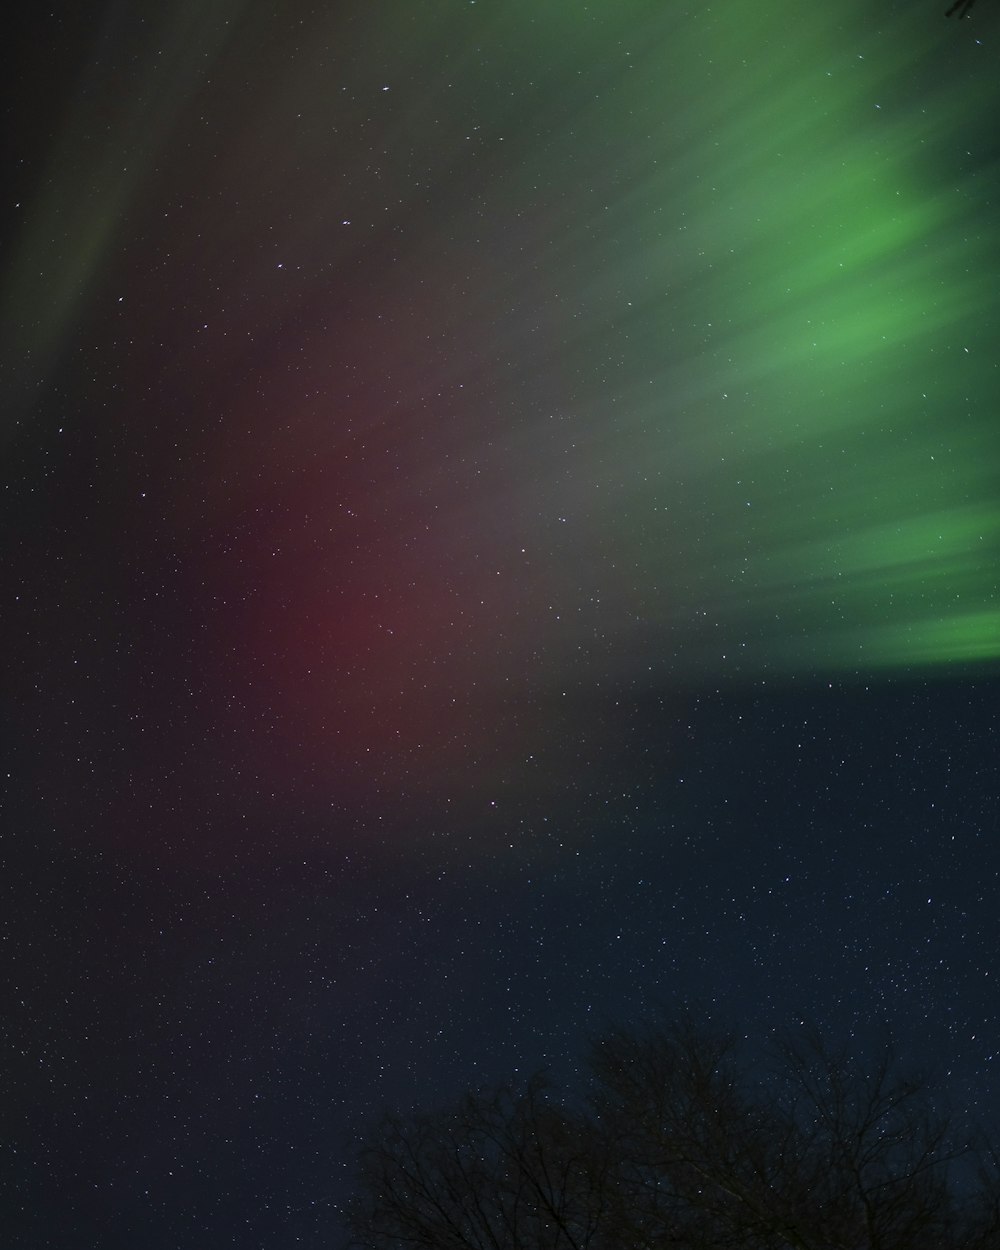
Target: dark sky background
x=500 y=534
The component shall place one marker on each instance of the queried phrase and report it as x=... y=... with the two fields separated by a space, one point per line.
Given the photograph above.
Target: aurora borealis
x=462 y=453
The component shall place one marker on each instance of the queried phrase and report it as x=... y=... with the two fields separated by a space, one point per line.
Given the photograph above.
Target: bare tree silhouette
x=684 y=1143
x=500 y=1170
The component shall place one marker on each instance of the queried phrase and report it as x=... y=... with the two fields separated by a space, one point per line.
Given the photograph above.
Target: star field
x=500 y=534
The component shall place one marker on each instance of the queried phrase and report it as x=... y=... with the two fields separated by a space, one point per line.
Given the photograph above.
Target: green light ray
x=123 y=112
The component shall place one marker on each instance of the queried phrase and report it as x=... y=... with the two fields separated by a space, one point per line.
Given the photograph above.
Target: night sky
x=501 y=530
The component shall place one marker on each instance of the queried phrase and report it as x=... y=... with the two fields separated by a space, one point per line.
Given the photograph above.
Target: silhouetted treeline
x=684 y=1144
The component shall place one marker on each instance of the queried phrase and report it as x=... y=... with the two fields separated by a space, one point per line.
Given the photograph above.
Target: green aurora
x=750 y=274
